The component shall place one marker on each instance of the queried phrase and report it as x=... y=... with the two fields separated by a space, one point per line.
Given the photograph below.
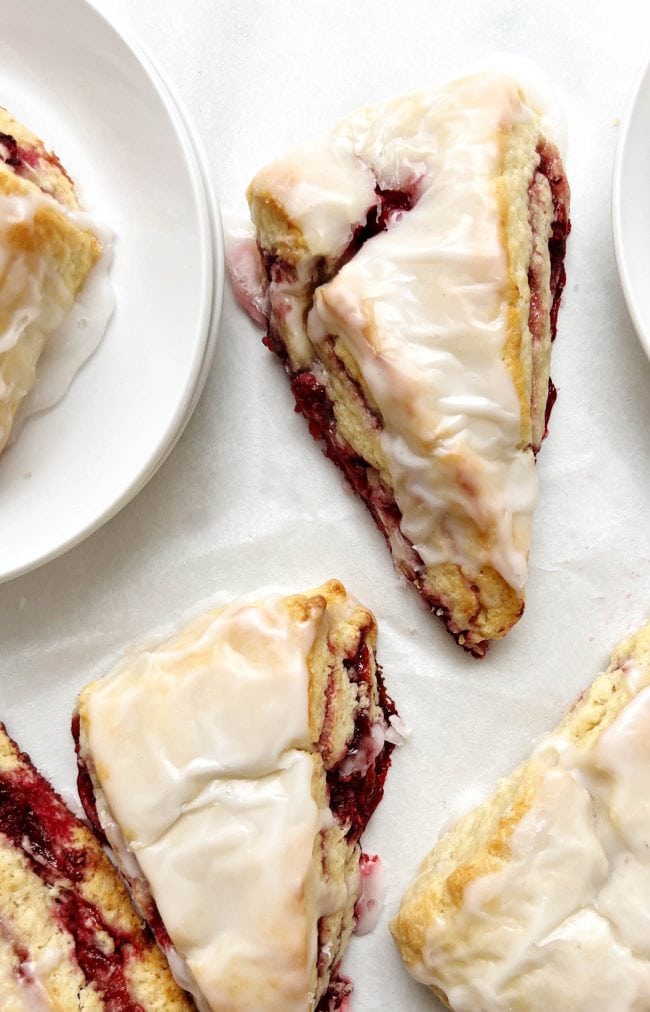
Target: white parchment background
x=247 y=499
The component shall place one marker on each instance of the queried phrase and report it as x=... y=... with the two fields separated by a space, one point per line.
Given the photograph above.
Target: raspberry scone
x=233 y=768
x=46 y=255
x=412 y=264
x=70 y=939
x=539 y=899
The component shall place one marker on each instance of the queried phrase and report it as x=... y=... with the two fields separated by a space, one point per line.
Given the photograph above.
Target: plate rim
x=215 y=236
x=618 y=232
x=211 y=297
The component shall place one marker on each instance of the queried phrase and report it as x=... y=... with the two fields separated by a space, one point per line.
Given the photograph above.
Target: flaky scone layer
x=538 y=898
x=70 y=939
x=413 y=261
x=266 y=720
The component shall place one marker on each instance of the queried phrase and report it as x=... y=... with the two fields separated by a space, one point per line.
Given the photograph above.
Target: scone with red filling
x=46 y=255
x=233 y=768
x=70 y=939
x=539 y=899
x=413 y=266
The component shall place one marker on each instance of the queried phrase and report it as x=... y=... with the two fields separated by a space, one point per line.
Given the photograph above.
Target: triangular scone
x=70 y=939
x=45 y=258
x=540 y=899
x=233 y=768
x=413 y=259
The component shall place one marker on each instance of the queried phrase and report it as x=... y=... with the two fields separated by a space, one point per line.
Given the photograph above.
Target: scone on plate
x=233 y=768
x=540 y=898
x=70 y=938
x=45 y=258
x=413 y=266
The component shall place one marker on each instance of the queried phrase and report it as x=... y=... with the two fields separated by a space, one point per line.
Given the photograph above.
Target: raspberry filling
x=26 y=162
x=390 y=206
x=10 y=153
x=36 y=821
x=551 y=168
x=15 y=156
x=356 y=784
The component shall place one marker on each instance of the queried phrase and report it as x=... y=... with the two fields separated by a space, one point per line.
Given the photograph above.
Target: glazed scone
x=539 y=899
x=70 y=939
x=413 y=265
x=233 y=768
x=46 y=255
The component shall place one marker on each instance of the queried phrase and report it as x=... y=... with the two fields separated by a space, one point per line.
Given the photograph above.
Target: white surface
x=247 y=499
x=631 y=206
x=121 y=136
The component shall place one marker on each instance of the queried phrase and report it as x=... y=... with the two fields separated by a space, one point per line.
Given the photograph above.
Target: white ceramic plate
x=94 y=98
x=631 y=206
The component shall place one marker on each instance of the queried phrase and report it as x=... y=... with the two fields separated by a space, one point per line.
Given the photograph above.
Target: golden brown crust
x=481 y=607
x=52 y=234
x=271 y=218
x=480 y=843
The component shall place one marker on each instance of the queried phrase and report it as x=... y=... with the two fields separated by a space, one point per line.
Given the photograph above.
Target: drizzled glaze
x=240 y=822
x=35 y=305
x=565 y=925
x=421 y=306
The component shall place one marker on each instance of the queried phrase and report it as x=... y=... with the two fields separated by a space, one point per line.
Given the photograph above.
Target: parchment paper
x=247 y=499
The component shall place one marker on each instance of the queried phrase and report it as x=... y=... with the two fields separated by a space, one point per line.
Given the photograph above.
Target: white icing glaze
x=537 y=88
x=398 y=733
x=34 y=305
x=422 y=308
x=565 y=925
x=324 y=188
x=185 y=978
x=364 y=756
x=25 y=296
x=131 y=869
x=125 y=858
x=74 y=341
x=213 y=795
x=34 y=975
x=241 y=921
